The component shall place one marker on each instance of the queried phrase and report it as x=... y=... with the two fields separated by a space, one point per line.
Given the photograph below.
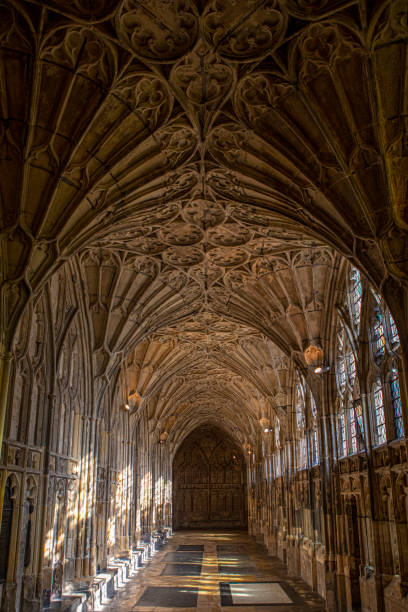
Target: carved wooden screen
x=209 y=482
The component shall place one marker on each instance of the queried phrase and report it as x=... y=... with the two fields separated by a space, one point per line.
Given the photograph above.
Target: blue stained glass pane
x=399 y=428
x=351 y=367
x=395 y=341
x=356 y=295
x=379 y=336
x=379 y=413
x=342 y=435
x=396 y=404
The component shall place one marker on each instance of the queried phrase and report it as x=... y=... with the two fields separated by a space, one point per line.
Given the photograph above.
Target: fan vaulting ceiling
x=204 y=167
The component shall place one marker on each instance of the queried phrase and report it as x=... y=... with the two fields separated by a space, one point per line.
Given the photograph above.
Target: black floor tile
x=169 y=597
x=230 y=548
x=236 y=570
x=193 y=547
x=183 y=557
x=181 y=569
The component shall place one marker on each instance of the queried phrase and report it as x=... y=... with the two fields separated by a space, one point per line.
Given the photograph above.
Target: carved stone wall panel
x=156 y=36
x=244 y=31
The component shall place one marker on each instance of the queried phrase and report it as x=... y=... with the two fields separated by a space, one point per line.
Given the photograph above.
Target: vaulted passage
x=203 y=291
x=209 y=482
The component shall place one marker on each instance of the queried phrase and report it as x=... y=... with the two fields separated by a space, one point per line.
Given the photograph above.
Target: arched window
x=300 y=426
x=314 y=438
x=341 y=433
x=393 y=333
x=378 y=335
x=355 y=297
x=277 y=433
x=379 y=425
x=356 y=427
x=277 y=456
x=396 y=402
x=350 y=430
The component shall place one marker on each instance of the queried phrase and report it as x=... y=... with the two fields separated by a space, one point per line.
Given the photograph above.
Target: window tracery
x=377 y=335
x=314 y=436
x=396 y=402
x=301 y=428
x=355 y=295
x=350 y=432
x=380 y=437
x=386 y=406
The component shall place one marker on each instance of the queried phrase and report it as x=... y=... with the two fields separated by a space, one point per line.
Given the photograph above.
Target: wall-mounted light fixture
x=321 y=369
x=163 y=437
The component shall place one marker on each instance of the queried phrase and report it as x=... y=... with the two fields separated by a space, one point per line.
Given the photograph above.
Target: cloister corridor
x=204 y=304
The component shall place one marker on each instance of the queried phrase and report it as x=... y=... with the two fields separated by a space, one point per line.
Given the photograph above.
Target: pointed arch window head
x=396 y=403
x=355 y=298
x=379 y=430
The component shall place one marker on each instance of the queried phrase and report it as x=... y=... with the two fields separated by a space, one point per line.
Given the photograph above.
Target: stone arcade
x=204 y=260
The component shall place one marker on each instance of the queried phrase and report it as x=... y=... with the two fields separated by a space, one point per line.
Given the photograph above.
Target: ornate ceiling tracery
x=203 y=164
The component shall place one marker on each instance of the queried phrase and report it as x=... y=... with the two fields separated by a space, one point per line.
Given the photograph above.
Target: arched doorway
x=209 y=482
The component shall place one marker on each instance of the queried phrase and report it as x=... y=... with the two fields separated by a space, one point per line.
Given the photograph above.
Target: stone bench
x=107 y=582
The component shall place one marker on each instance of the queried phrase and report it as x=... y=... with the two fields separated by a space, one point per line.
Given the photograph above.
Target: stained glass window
x=314 y=438
x=356 y=294
x=396 y=403
x=301 y=424
x=341 y=374
x=356 y=427
x=395 y=341
x=300 y=410
x=379 y=413
x=351 y=367
x=378 y=335
x=314 y=447
x=341 y=434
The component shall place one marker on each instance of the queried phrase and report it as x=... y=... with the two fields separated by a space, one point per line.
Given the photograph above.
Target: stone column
x=45 y=569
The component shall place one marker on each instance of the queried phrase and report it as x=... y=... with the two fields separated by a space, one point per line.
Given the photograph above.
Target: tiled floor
x=214 y=571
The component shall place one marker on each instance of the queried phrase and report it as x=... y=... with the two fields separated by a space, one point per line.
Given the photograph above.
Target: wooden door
x=209 y=482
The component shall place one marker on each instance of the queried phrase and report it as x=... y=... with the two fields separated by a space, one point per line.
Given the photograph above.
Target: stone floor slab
x=183 y=557
x=181 y=569
x=169 y=597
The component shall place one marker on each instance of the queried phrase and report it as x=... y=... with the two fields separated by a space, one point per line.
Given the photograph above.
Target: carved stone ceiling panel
x=205 y=164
